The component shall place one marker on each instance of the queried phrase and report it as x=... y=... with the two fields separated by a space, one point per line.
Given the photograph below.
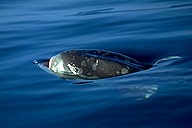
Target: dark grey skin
x=92 y=64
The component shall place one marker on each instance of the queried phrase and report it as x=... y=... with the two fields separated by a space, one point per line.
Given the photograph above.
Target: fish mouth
x=44 y=62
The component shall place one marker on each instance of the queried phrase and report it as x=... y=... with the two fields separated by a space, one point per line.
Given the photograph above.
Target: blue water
x=146 y=30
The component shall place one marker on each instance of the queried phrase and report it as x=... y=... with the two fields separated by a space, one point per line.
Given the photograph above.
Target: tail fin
x=168 y=60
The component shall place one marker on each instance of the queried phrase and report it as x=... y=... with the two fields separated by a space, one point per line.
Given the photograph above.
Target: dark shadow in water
x=181 y=5
x=112 y=10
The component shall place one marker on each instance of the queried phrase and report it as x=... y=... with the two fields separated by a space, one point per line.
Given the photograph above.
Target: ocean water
x=146 y=31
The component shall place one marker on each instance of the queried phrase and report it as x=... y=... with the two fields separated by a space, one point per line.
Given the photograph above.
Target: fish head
x=56 y=64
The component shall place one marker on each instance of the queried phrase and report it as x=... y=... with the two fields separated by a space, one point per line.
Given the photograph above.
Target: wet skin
x=92 y=64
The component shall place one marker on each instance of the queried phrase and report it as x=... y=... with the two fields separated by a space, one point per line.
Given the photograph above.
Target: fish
x=91 y=64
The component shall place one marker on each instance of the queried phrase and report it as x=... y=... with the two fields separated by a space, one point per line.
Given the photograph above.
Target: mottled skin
x=92 y=64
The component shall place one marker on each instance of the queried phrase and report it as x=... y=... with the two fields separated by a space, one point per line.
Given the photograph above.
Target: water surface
x=146 y=30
